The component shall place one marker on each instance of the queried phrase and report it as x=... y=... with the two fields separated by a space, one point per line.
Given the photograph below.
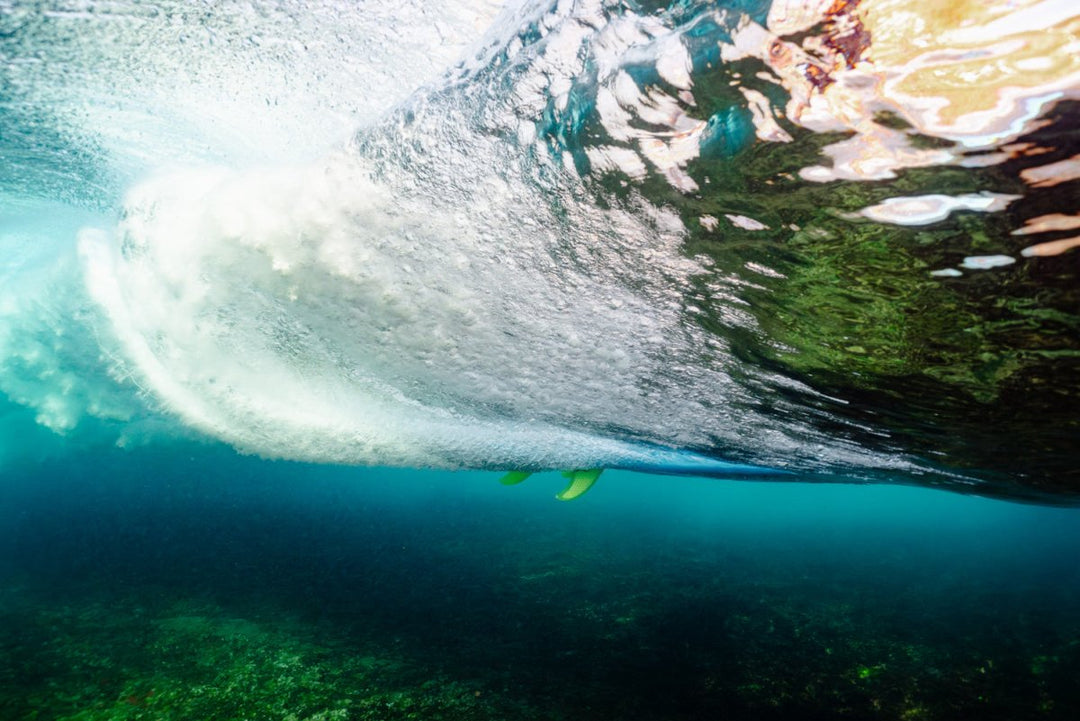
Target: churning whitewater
x=279 y=228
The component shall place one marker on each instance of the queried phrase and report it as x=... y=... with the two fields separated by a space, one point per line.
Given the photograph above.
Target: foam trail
x=441 y=292
x=308 y=356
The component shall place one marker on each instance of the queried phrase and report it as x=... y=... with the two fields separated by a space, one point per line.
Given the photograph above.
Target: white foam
x=447 y=303
x=311 y=312
x=173 y=83
x=51 y=360
x=304 y=312
x=927 y=209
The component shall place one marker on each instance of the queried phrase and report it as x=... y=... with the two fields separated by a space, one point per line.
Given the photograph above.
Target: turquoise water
x=287 y=289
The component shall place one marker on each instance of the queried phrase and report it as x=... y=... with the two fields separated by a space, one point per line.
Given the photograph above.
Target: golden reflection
x=971 y=70
x=1053 y=247
x=1051 y=174
x=974 y=72
x=1048 y=223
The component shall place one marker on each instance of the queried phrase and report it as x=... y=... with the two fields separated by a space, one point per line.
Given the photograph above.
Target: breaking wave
x=551 y=234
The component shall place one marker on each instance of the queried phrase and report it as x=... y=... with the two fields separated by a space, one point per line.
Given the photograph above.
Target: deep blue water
x=650 y=597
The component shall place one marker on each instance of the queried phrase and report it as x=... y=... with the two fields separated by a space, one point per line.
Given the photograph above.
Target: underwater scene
x=539 y=359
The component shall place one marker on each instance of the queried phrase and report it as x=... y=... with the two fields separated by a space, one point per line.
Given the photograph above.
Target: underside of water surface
x=827 y=239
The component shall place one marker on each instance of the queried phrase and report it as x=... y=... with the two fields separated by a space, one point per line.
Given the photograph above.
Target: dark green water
x=187 y=583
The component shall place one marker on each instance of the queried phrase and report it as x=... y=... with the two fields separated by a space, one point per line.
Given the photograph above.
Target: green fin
x=580 y=481
x=514 y=477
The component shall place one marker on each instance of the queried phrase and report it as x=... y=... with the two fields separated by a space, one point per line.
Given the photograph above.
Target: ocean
x=578 y=359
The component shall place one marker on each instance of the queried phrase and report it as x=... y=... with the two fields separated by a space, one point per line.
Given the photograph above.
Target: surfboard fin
x=581 y=480
x=514 y=477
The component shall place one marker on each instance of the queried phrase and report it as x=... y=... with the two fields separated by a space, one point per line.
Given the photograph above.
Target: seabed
x=277 y=602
